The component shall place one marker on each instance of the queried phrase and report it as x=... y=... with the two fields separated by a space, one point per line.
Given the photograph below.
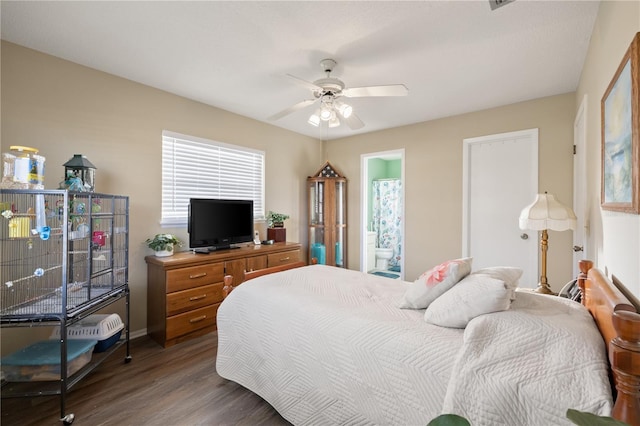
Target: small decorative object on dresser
x=162 y=244
x=276 y=220
x=276 y=230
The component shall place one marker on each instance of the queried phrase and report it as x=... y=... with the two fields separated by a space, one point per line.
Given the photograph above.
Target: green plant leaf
x=163 y=242
x=273 y=217
x=582 y=418
x=449 y=420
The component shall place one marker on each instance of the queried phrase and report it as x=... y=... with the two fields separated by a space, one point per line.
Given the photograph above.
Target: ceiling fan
x=328 y=93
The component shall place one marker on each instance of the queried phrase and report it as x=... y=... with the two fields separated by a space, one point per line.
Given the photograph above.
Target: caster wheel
x=127 y=359
x=68 y=419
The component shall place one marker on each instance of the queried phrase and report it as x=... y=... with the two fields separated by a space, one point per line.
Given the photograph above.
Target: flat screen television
x=216 y=224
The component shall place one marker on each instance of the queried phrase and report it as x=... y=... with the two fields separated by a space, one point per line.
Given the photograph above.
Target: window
x=200 y=168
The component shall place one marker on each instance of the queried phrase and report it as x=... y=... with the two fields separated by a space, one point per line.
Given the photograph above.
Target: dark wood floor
x=173 y=386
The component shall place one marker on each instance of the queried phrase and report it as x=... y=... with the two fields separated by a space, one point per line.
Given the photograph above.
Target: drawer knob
x=198 y=319
x=203 y=274
x=194 y=298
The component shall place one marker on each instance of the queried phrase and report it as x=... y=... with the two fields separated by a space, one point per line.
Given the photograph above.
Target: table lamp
x=543 y=214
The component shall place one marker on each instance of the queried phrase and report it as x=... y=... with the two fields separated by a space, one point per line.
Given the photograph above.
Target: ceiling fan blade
x=389 y=90
x=305 y=83
x=353 y=122
x=291 y=109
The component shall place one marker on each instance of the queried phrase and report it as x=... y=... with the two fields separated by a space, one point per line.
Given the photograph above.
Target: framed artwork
x=620 y=186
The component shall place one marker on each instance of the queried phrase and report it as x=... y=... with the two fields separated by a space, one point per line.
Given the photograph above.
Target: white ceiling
x=453 y=56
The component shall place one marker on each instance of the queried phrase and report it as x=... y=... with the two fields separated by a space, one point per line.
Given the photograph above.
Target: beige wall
x=63 y=109
x=433 y=174
x=614 y=238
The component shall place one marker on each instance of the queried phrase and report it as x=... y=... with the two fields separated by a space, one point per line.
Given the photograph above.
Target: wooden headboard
x=619 y=323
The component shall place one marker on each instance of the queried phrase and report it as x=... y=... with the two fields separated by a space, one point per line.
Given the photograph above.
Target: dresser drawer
x=283 y=258
x=195 y=276
x=186 y=300
x=257 y=262
x=181 y=324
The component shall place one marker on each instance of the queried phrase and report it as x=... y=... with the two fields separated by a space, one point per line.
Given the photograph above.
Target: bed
x=326 y=345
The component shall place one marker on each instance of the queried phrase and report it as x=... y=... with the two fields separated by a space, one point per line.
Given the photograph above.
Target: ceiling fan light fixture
x=314 y=119
x=326 y=114
x=327 y=94
x=345 y=110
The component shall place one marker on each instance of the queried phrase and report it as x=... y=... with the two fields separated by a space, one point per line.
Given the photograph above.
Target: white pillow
x=475 y=295
x=435 y=282
x=509 y=274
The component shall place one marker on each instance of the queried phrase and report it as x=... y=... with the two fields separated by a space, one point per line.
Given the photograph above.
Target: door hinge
x=574 y=150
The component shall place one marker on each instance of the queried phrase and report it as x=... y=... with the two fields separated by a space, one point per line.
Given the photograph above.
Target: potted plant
x=275 y=223
x=580 y=418
x=162 y=244
x=276 y=220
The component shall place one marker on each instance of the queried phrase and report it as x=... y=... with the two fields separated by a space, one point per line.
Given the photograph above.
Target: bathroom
x=384 y=214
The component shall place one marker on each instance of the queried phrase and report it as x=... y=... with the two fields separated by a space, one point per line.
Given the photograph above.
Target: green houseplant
x=163 y=244
x=276 y=220
x=579 y=418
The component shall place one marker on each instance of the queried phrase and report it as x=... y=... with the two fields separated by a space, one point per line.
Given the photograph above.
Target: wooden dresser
x=185 y=290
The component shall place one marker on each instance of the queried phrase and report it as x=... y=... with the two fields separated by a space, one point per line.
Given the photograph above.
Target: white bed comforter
x=528 y=365
x=326 y=345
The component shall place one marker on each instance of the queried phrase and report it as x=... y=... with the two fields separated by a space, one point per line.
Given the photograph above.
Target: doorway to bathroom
x=382 y=213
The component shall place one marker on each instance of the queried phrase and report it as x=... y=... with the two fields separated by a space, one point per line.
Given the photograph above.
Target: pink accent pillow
x=435 y=282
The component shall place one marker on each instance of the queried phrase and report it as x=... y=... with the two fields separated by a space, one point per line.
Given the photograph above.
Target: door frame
x=580 y=186
x=364 y=202
x=468 y=143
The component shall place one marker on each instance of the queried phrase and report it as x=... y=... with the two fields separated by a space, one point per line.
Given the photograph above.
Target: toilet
x=382 y=258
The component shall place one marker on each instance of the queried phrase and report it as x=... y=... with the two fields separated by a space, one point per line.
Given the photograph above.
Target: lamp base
x=543 y=288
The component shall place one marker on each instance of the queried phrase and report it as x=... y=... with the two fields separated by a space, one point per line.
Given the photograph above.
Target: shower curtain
x=387 y=219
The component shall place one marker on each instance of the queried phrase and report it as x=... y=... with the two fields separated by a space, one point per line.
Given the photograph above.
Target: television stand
x=185 y=290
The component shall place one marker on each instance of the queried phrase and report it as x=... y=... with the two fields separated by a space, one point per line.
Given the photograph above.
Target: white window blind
x=198 y=168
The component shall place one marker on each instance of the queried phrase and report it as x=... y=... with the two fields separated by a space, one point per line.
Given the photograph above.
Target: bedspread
x=528 y=365
x=325 y=345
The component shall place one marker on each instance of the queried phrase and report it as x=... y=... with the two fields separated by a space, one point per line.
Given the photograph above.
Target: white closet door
x=500 y=179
